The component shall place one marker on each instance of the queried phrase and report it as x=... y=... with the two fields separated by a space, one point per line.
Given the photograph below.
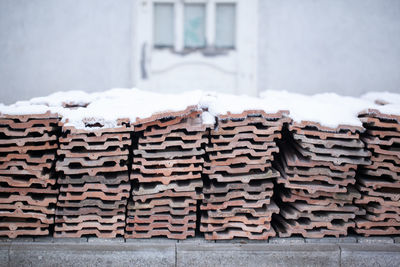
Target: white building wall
x=346 y=46
x=52 y=45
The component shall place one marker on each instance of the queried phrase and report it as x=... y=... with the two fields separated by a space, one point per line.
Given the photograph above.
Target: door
x=183 y=45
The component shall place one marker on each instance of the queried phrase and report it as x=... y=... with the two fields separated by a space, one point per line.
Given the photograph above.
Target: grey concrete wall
x=49 y=45
x=347 y=46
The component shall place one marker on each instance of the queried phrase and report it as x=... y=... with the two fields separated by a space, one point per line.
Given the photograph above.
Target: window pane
x=195 y=19
x=225 y=25
x=163 y=25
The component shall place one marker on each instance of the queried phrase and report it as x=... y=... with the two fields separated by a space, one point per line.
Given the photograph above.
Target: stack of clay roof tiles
x=318 y=167
x=28 y=145
x=239 y=184
x=166 y=175
x=94 y=181
x=379 y=183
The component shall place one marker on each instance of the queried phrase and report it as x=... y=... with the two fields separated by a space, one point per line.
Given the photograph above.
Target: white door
x=196 y=44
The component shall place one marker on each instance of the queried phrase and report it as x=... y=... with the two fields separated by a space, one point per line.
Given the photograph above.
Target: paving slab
x=370 y=255
x=196 y=240
x=286 y=240
x=157 y=240
x=331 y=240
x=91 y=254
x=257 y=255
x=22 y=240
x=348 y=239
x=375 y=240
x=105 y=240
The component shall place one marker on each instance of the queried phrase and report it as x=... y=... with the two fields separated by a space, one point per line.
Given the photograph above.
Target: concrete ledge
x=4 y=253
x=91 y=254
x=196 y=252
x=370 y=254
x=257 y=255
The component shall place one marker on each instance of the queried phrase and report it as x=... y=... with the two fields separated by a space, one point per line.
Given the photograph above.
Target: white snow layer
x=61 y=99
x=327 y=109
x=23 y=109
x=382 y=98
x=106 y=108
x=220 y=104
x=386 y=102
x=129 y=104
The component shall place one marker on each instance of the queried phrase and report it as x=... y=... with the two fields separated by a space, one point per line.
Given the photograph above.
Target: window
x=225 y=26
x=195 y=25
x=163 y=25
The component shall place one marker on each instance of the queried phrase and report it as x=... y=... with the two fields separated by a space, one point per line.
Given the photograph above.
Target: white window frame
x=210 y=30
